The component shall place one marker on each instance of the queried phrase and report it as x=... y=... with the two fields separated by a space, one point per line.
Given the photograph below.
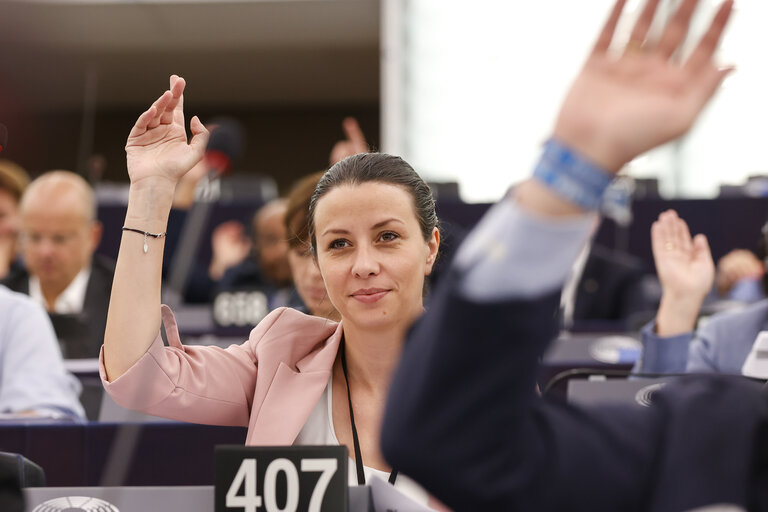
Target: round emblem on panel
x=76 y=504
x=644 y=396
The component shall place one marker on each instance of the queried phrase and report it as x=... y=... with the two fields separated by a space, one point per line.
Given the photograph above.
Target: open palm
x=684 y=264
x=157 y=146
x=621 y=106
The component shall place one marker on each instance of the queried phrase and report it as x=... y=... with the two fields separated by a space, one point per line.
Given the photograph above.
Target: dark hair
x=297 y=211
x=383 y=168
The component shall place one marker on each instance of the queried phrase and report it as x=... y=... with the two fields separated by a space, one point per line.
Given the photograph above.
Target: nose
x=365 y=264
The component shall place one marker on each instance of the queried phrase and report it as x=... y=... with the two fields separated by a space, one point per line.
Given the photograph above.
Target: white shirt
x=568 y=297
x=70 y=301
x=318 y=430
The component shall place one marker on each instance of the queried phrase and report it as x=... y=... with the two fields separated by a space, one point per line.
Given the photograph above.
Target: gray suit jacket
x=721 y=345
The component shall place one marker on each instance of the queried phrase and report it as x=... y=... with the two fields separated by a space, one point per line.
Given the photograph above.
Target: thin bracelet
x=146 y=234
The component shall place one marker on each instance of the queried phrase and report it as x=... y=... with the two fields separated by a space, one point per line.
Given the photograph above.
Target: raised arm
x=462 y=417
x=158 y=155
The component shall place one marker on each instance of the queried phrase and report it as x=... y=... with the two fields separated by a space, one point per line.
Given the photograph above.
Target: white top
x=318 y=430
x=70 y=301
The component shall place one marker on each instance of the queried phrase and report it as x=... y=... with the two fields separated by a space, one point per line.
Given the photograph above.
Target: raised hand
x=354 y=143
x=685 y=269
x=622 y=105
x=230 y=246
x=157 y=146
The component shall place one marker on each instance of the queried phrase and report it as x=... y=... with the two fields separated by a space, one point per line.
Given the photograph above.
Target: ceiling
x=57 y=53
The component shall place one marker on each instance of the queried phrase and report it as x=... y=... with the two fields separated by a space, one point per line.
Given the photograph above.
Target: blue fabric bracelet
x=572 y=176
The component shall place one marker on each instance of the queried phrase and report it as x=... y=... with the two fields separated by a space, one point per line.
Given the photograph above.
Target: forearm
x=134 y=309
x=677 y=314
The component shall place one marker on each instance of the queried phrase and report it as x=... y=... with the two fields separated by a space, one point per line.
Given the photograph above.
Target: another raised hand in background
x=230 y=246
x=354 y=143
x=686 y=271
x=737 y=265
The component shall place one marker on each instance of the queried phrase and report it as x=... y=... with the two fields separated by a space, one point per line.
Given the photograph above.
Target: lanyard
x=358 y=453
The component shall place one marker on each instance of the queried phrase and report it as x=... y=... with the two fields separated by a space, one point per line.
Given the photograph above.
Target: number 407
x=250 y=500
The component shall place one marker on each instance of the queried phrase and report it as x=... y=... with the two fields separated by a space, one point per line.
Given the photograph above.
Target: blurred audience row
x=49 y=234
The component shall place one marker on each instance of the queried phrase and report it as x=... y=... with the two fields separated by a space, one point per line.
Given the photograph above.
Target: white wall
x=479 y=84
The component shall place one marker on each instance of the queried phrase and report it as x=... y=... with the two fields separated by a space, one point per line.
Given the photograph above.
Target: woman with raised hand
x=463 y=419
x=298 y=379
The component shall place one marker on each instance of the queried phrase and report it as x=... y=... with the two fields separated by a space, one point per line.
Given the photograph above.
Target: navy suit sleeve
x=464 y=420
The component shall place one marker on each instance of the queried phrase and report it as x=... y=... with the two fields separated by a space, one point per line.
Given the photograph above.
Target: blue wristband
x=572 y=176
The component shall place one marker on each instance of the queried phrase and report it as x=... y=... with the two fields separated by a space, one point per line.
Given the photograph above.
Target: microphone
x=3 y=137
x=225 y=145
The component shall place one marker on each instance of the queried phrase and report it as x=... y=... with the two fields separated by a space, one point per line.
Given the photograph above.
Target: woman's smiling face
x=372 y=253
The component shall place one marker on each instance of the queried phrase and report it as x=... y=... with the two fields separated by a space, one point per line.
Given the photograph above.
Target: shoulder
x=756 y=313
x=289 y=326
x=18 y=310
x=12 y=302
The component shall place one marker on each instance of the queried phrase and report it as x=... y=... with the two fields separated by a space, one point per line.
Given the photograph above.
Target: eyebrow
x=375 y=226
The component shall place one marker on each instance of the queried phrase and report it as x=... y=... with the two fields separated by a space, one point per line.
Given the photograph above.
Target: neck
x=372 y=357
x=51 y=292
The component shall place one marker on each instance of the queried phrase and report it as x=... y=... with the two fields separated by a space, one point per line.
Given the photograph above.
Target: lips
x=369 y=295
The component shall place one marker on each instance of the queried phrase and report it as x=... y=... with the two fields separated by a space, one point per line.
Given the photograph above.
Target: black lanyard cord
x=355 y=439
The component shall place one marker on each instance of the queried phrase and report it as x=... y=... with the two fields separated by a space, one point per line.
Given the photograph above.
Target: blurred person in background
x=13 y=181
x=59 y=235
x=33 y=381
x=267 y=266
x=306 y=274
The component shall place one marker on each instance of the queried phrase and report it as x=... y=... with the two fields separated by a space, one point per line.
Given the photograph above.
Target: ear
x=95 y=235
x=433 y=246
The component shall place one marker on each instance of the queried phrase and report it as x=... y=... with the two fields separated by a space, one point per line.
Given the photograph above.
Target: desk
x=594 y=351
x=77 y=454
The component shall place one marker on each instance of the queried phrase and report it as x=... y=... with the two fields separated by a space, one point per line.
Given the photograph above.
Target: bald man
x=59 y=235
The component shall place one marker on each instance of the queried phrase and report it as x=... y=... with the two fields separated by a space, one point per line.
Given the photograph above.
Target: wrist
x=149 y=205
x=677 y=314
x=571 y=175
x=587 y=141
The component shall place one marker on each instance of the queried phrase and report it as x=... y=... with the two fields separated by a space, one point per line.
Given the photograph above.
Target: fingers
x=353 y=132
x=143 y=121
x=199 y=135
x=702 y=55
x=701 y=247
x=670 y=234
x=643 y=24
x=662 y=234
x=682 y=234
x=677 y=28
x=606 y=35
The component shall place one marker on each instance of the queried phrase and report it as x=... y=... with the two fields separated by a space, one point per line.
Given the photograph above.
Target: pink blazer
x=270 y=383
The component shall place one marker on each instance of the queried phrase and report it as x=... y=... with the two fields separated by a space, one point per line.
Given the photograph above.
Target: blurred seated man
x=304 y=270
x=671 y=343
x=268 y=267
x=13 y=181
x=33 y=380
x=59 y=236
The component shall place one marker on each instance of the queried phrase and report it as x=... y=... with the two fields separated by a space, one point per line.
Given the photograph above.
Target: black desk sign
x=281 y=479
